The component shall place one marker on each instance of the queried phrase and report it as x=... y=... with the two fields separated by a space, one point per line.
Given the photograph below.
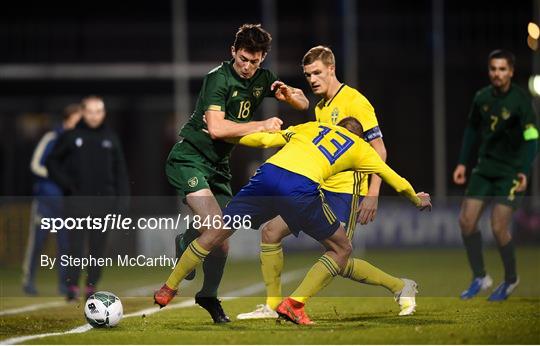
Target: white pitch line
x=289 y=276
x=140 y=291
x=32 y=307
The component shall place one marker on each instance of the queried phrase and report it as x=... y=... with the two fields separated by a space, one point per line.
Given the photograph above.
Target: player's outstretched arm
x=371 y=163
x=293 y=96
x=265 y=139
x=403 y=187
x=421 y=200
x=261 y=140
x=221 y=128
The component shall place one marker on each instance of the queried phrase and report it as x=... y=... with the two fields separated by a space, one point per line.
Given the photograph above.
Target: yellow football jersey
x=348 y=102
x=319 y=151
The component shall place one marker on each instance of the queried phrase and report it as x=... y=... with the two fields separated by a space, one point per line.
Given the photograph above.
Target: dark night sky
x=394 y=66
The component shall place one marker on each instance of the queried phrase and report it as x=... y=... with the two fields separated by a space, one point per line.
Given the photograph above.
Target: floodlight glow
x=534 y=30
x=532 y=43
x=534 y=85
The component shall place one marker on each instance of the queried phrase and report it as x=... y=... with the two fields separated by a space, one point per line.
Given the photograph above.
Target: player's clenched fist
x=282 y=91
x=459 y=175
x=273 y=124
x=425 y=201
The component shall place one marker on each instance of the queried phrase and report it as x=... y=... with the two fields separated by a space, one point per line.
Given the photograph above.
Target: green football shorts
x=501 y=189
x=189 y=171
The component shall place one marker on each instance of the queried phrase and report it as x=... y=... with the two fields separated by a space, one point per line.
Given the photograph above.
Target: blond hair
x=322 y=53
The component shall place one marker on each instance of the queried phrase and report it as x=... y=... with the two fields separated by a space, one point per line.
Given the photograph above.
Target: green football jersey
x=224 y=90
x=501 y=120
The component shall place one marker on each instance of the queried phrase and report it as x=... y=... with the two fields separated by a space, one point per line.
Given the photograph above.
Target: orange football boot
x=293 y=311
x=164 y=295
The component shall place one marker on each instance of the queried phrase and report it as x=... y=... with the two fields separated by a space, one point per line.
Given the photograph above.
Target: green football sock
x=473 y=246
x=508 y=256
x=213 y=267
x=190 y=235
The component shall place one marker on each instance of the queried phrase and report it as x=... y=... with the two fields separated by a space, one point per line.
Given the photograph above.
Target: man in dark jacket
x=47 y=203
x=88 y=164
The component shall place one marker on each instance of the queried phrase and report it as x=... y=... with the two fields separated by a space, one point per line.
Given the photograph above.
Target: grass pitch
x=345 y=312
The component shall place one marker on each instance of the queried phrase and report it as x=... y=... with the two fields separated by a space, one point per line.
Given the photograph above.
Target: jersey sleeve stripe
x=214 y=108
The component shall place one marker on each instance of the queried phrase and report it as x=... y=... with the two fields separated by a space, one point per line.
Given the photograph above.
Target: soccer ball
x=103 y=309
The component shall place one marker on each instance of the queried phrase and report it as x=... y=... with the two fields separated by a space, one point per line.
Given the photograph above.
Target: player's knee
x=224 y=247
x=502 y=238
x=266 y=238
x=499 y=226
x=270 y=238
x=501 y=232
x=220 y=249
x=214 y=241
x=270 y=234
x=466 y=224
x=344 y=250
x=347 y=251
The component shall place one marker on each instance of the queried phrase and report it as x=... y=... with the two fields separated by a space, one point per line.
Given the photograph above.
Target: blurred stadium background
x=419 y=63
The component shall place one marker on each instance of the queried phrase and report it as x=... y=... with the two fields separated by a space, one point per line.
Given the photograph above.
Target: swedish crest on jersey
x=334 y=115
x=257 y=91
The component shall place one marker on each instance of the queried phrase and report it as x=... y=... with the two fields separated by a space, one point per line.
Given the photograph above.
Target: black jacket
x=89 y=162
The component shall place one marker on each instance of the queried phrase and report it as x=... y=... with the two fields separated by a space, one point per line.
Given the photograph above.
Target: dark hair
x=322 y=53
x=503 y=54
x=353 y=125
x=90 y=97
x=253 y=38
x=71 y=109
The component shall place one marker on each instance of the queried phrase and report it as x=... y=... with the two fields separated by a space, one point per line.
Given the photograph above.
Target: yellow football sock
x=193 y=256
x=364 y=272
x=271 y=267
x=320 y=275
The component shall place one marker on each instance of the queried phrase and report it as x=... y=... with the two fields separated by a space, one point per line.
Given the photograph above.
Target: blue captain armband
x=372 y=133
x=530 y=133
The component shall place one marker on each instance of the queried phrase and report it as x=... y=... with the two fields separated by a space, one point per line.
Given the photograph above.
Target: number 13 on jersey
x=340 y=148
